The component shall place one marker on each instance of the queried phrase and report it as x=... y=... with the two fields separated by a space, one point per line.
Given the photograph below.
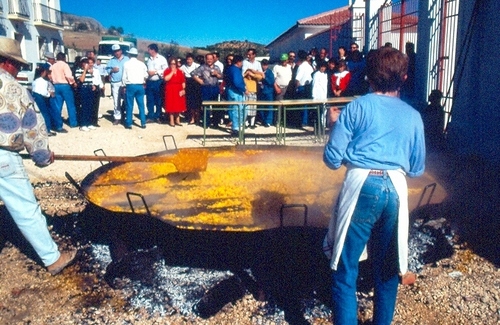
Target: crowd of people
x=176 y=87
x=174 y=91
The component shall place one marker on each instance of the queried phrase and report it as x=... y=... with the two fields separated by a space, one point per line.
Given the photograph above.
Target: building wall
x=35 y=40
x=475 y=124
x=295 y=39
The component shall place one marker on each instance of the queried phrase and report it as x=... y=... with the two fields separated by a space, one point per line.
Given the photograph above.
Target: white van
x=26 y=76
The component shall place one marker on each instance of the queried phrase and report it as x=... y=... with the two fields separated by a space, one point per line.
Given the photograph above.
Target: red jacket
x=343 y=83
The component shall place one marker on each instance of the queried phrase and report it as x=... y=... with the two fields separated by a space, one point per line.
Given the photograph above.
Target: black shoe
x=116 y=122
x=253 y=127
x=151 y=120
x=62 y=131
x=128 y=127
x=51 y=134
x=143 y=126
x=267 y=125
x=234 y=133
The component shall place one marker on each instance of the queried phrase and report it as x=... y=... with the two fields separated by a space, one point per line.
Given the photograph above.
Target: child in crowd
x=340 y=79
x=320 y=87
x=43 y=90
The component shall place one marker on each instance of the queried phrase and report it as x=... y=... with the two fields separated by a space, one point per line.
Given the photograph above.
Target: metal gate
x=398 y=23
x=443 y=48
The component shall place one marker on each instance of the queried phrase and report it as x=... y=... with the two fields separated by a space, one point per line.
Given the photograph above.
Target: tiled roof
x=335 y=17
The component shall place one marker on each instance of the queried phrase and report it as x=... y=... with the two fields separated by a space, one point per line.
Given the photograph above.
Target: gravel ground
x=458 y=275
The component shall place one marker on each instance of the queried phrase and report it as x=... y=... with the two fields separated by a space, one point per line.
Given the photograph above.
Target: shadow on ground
x=473 y=205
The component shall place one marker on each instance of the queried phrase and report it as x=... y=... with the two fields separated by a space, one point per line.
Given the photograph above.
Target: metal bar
x=129 y=194
x=433 y=188
x=292 y=206
x=204 y=125
x=165 y=142
x=74 y=183
x=103 y=153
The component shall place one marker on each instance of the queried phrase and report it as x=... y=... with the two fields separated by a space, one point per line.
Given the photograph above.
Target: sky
x=194 y=23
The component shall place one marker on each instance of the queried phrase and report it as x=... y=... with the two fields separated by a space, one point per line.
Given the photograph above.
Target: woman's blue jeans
x=87 y=100
x=375 y=218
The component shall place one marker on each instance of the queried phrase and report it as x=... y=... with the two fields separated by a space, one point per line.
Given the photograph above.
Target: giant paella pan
x=243 y=188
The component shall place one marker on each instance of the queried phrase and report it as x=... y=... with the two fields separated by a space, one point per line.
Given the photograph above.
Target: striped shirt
x=88 y=81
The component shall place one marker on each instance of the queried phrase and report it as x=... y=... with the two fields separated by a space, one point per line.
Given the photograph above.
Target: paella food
x=241 y=189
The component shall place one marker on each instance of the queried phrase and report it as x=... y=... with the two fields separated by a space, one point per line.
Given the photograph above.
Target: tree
x=81 y=27
x=115 y=30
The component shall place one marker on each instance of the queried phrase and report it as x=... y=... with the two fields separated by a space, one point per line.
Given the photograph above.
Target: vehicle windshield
x=27 y=67
x=105 y=49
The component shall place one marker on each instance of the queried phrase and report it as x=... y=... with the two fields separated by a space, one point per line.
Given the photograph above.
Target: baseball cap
x=284 y=57
x=45 y=66
x=115 y=47
x=133 y=51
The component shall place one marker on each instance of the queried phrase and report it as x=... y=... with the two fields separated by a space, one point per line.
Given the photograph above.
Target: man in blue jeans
x=23 y=127
x=63 y=81
x=156 y=64
x=134 y=79
x=380 y=139
x=235 y=91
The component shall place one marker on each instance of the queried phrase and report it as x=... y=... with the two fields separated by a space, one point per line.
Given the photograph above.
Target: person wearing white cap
x=134 y=78
x=21 y=117
x=50 y=58
x=115 y=72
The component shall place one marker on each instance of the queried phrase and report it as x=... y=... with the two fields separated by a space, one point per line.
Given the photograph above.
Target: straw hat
x=11 y=49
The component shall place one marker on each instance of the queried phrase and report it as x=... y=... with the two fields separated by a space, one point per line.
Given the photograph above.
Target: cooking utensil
x=185 y=160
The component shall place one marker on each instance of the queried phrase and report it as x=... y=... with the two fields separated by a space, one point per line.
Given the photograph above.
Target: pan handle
x=74 y=183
